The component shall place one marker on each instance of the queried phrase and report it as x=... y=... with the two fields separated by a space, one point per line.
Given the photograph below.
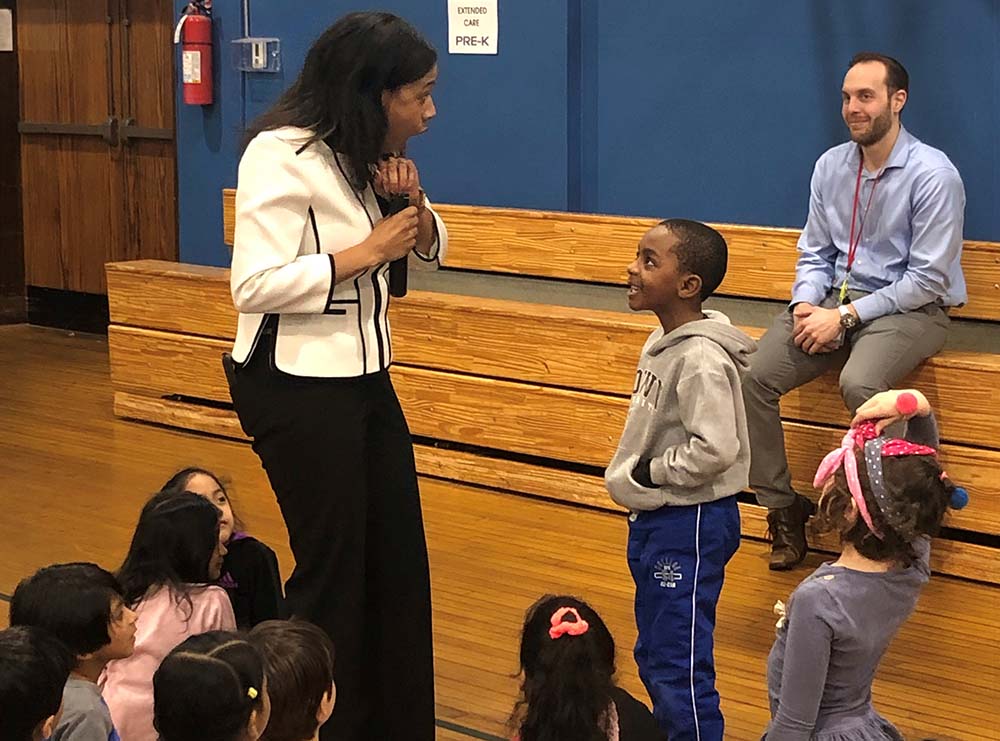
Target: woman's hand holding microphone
x=397 y=235
x=394 y=236
x=398 y=176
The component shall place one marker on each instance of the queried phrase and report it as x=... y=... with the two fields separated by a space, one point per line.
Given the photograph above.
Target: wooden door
x=97 y=149
x=69 y=170
x=146 y=132
x=12 y=307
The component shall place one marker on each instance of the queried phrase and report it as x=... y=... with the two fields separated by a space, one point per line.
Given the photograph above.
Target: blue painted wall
x=714 y=110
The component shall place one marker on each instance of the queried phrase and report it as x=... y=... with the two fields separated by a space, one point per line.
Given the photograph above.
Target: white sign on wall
x=7 y=30
x=472 y=26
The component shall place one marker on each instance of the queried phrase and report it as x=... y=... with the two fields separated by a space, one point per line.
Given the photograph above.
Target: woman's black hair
x=207 y=688
x=174 y=542
x=567 y=681
x=179 y=481
x=338 y=94
x=919 y=491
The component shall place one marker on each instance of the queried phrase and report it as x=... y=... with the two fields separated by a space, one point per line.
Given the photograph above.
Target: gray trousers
x=875 y=357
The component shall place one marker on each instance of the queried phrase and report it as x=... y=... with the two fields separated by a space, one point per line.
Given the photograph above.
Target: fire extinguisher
x=194 y=33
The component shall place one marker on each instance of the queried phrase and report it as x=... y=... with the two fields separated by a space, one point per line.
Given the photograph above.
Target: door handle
x=127 y=130
x=107 y=130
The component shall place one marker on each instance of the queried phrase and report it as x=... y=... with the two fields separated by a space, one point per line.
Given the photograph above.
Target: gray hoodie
x=686 y=417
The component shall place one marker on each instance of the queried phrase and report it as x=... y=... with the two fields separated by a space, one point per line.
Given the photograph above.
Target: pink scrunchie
x=560 y=628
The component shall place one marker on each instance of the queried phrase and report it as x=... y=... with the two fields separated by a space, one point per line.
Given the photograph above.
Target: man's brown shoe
x=787 y=528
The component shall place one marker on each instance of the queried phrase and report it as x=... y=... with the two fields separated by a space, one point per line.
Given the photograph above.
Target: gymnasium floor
x=73 y=479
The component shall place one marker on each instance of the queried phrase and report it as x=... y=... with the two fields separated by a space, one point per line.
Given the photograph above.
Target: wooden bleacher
x=531 y=398
x=595 y=249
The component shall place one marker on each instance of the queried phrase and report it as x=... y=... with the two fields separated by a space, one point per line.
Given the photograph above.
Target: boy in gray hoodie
x=682 y=458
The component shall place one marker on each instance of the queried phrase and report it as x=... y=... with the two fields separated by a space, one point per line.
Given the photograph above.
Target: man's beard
x=879 y=128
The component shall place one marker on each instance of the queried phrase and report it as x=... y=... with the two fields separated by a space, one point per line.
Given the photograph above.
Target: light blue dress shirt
x=911 y=246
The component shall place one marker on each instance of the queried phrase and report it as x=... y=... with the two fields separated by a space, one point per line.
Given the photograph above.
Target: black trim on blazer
x=356 y=194
x=437 y=254
x=377 y=318
x=272 y=341
x=361 y=329
x=388 y=334
x=357 y=287
x=256 y=340
x=333 y=267
x=333 y=283
x=312 y=220
x=435 y=243
x=268 y=326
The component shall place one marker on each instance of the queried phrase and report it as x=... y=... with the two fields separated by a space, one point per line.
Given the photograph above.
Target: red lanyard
x=852 y=245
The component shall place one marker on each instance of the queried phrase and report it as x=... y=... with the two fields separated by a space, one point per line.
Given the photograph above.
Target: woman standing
x=309 y=371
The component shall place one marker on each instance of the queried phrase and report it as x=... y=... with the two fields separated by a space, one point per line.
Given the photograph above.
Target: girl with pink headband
x=568 y=691
x=886 y=498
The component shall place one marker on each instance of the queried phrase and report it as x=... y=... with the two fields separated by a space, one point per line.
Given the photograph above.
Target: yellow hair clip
x=251 y=693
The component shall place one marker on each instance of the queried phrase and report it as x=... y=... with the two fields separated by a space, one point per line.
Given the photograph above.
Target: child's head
x=82 y=605
x=206 y=484
x=176 y=543
x=34 y=667
x=211 y=687
x=885 y=495
x=678 y=263
x=298 y=661
x=568 y=664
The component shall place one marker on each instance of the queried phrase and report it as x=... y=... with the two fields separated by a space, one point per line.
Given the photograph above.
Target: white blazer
x=295 y=210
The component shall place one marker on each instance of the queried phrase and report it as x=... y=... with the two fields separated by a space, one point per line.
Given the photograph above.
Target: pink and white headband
x=866 y=437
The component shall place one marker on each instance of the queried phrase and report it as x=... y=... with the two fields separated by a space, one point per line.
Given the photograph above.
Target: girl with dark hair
x=250 y=569
x=212 y=687
x=318 y=222
x=568 y=691
x=167 y=577
x=886 y=498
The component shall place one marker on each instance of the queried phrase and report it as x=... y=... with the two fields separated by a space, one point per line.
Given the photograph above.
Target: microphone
x=397 y=268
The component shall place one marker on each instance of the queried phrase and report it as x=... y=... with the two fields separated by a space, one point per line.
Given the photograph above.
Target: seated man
x=879 y=265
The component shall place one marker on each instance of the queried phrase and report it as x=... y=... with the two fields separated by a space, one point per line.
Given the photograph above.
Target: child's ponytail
x=208 y=688
x=568 y=666
x=958 y=497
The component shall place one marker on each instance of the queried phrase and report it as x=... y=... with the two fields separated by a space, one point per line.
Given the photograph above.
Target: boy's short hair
x=73 y=601
x=700 y=251
x=298 y=662
x=34 y=667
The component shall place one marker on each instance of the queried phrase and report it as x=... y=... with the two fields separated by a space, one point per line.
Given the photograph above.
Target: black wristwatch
x=847 y=319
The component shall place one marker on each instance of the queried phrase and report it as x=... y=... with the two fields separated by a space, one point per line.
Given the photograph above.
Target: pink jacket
x=127 y=684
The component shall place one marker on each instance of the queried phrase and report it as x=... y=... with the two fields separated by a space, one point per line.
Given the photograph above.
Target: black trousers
x=339 y=457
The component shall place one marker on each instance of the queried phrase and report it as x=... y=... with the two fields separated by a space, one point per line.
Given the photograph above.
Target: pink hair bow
x=844 y=455
x=560 y=628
